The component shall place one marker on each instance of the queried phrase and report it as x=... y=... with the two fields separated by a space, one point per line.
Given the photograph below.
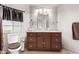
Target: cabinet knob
x=31 y=34
x=30 y=46
x=56 y=39
x=30 y=39
x=43 y=43
x=56 y=34
x=56 y=46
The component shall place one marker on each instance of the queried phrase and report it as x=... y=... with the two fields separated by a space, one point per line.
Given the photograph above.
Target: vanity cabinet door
x=56 y=42
x=40 y=43
x=46 y=43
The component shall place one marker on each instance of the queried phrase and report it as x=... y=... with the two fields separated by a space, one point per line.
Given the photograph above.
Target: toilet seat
x=14 y=45
x=14 y=48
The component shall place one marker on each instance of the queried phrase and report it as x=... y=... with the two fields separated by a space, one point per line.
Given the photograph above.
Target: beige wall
x=67 y=14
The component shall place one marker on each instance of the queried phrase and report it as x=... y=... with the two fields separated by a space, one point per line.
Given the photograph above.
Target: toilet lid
x=13 y=45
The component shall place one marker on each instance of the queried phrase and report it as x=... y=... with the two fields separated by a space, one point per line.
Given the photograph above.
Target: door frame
x=1 y=29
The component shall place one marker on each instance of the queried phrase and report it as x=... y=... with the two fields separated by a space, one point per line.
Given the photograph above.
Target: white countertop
x=43 y=31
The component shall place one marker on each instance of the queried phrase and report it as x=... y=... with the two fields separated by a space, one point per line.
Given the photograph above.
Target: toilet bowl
x=14 y=48
x=14 y=45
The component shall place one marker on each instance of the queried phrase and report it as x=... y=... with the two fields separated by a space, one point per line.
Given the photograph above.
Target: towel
x=75 y=30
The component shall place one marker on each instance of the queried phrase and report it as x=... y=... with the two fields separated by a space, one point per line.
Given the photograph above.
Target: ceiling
x=44 y=5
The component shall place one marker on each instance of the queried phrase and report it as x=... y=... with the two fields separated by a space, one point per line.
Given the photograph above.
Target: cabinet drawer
x=56 y=46
x=31 y=39
x=43 y=34
x=56 y=34
x=56 y=39
x=31 y=45
x=31 y=34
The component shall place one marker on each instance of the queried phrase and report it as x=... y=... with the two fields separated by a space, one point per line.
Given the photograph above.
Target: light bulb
x=48 y=10
x=45 y=10
x=40 y=10
x=37 y=10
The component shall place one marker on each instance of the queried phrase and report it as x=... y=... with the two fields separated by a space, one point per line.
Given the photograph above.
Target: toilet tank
x=13 y=38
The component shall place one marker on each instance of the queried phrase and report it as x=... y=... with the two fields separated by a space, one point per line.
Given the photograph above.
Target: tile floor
x=64 y=51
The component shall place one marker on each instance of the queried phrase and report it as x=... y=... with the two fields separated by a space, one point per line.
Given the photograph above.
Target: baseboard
x=2 y=52
x=71 y=51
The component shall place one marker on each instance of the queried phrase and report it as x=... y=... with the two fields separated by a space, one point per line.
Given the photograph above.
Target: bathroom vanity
x=44 y=41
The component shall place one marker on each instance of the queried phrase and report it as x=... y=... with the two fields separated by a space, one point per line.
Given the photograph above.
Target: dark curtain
x=6 y=13
x=12 y=14
x=20 y=16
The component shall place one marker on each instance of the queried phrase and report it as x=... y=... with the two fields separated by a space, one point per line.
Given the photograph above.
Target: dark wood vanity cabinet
x=44 y=41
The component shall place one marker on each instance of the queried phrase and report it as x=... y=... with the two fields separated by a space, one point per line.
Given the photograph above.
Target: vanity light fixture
x=44 y=11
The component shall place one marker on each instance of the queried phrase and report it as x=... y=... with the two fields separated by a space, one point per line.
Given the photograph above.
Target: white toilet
x=14 y=43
